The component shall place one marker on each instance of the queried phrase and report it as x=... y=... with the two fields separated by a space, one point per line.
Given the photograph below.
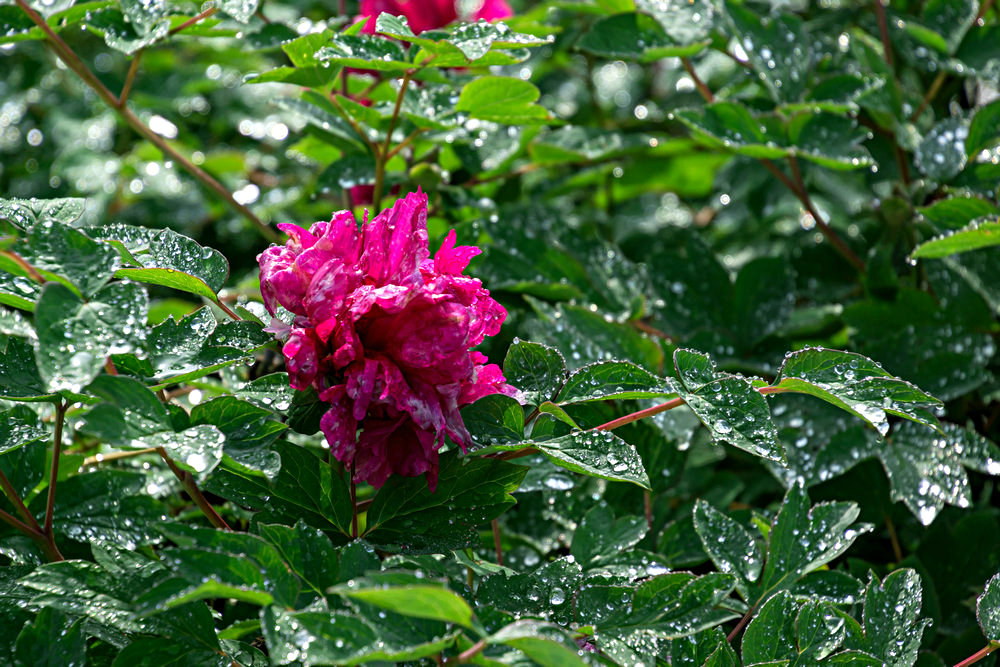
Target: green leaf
x=956 y=212
x=51 y=639
x=545 y=644
x=463 y=43
x=18 y=291
x=770 y=636
x=927 y=469
x=369 y=52
x=730 y=125
x=891 y=627
x=68 y=254
x=19 y=376
x=494 y=419
x=729 y=405
x=105 y=507
x=635 y=37
x=120 y=35
x=984 y=131
x=16 y=26
x=323 y=638
x=249 y=431
x=708 y=648
x=17 y=430
x=613 y=379
x=977 y=234
x=941 y=154
x=671 y=605
x=241 y=10
x=684 y=22
x=304 y=489
x=600 y=535
x=26 y=213
x=502 y=100
x=198 y=345
x=829 y=140
x=406 y=516
x=778 y=48
x=164 y=257
x=537 y=371
x=128 y=411
x=307 y=552
x=855 y=383
x=585 y=337
x=596 y=454
x=803 y=539
x=143 y=15
x=431 y=602
x=75 y=338
x=730 y=547
x=988 y=609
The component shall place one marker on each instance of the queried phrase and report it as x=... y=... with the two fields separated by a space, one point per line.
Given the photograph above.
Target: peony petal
x=395 y=242
x=451 y=259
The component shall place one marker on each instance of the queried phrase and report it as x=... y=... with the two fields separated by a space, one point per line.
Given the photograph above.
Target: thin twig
x=115 y=456
x=983 y=8
x=699 y=84
x=824 y=228
x=931 y=94
x=467 y=654
x=50 y=503
x=73 y=62
x=382 y=157
x=404 y=143
x=647 y=505
x=897 y=551
x=227 y=310
x=979 y=655
x=16 y=501
x=739 y=626
x=354 y=502
x=497 y=546
x=187 y=481
x=133 y=68
x=194 y=19
x=883 y=31
x=651 y=330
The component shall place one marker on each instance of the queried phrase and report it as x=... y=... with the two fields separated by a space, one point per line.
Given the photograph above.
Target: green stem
x=382 y=156
x=133 y=68
x=195 y=19
x=354 y=503
x=467 y=654
x=497 y=546
x=50 y=503
x=739 y=626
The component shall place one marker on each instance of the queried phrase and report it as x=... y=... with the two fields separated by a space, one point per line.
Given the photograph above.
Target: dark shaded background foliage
x=667 y=199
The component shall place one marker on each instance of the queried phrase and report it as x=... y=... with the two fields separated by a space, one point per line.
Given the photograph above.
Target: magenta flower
x=383 y=332
x=429 y=14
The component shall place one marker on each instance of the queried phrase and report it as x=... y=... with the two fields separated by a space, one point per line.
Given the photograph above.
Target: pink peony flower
x=383 y=332
x=429 y=14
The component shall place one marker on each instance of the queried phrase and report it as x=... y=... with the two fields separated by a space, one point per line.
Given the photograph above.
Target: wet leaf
x=891 y=627
x=613 y=380
x=988 y=609
x=927 y=469
x=977 y=234
x=537 y=371
x=51 y=639
x=597 y=454
x=730 y=547
x=941 y=154
x=502 y=100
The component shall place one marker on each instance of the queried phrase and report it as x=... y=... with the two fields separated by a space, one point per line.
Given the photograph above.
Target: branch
x=931 y=94
x=191 y=21
x=18 y=504
x=495 y=524
x=24 y=265
x=979 y=655
x=115 y=456
x=50 y=503
x=382 y=157
x=73 y=62
x=826 y=230
x=883 y=31
x=467 y=654
x=699 y=84
x=133 y=68
x=187 y=480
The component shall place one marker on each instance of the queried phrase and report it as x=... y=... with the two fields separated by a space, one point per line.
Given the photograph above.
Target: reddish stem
x=496 y=542
x=979 y=655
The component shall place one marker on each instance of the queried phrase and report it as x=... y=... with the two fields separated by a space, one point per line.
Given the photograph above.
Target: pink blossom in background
x=429 y=14
x=383 y=332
